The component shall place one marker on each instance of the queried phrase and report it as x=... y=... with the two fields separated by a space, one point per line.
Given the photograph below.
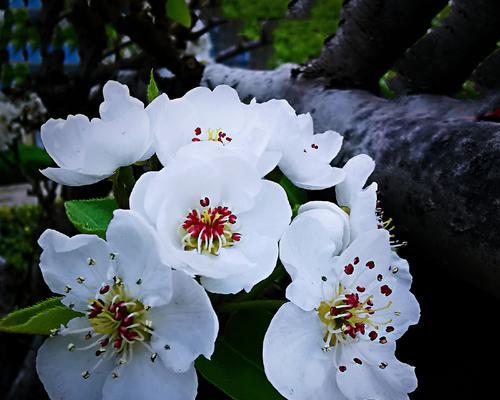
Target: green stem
x=250 y=305
x=123 y=182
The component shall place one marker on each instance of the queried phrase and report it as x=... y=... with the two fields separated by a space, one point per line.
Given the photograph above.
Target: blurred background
x=56 y=55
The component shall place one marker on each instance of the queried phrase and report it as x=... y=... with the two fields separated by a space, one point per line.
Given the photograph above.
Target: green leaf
x=91 y=216
x=39 y=319
x=153 y=91
x=296 y=196
x=179 y=12
x=236 y=367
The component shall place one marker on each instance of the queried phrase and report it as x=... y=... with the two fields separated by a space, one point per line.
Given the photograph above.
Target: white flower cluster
x=209 y=216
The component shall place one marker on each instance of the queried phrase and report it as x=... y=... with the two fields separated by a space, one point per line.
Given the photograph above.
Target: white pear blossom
x=88 y=151
x=215 y=217
x=217 y=116
x=142 y=327
x=306 y=156
x=336 y=339
x=272 y=132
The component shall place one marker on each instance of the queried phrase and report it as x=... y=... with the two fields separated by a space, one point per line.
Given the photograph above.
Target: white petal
x=357 y=170
x=187 y=325
x=138 y=263
x=67 y=261
x=173 y=123
x=337 y=222
x=368 y=380
x=143 y=379
x=268 y=161
x=66 y=140
x=363 y=216
x=307 y=250
x=220 y=108
x=69 y=177
x=117 y=101
x=262 y=252
x=140 y=193
x=271 y=213
x=61 y=370
x=294 y=361
x=329 y=144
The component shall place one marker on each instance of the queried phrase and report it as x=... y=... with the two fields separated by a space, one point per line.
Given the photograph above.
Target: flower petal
x=69 y=177
x=271 y=213
x=138 y=263
x=306 y=250
x=75 y=267
x=294 y=361
x=61 y=370
x=363 y=215
x=143 y=379
x=380 y=376
x=357 y=170
x=185 y=327
x=262 y=252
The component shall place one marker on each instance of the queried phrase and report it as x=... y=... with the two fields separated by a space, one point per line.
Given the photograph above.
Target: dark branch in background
x=443 y=59
x=210 y=24
x=371 y=36
x=487 y=74
x=437 y=167
x=298 y=9
x=239 y=49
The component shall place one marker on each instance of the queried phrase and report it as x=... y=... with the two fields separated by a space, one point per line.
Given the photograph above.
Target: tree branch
x=437 y=167
x=443 y=59
x=371 y=36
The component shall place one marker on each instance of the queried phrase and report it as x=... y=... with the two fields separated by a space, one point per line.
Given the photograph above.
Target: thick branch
x=443 y=59
x=487 y=74
x=298 y=9
x=437 y=167
x=372 y=35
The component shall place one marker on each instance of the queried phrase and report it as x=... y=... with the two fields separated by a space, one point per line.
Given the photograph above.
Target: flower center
x=347 y=315
x=216 y=135
x=121 y=319
x=208 y=230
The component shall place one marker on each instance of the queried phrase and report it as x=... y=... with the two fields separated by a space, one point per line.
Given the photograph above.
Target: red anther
x=95 y=311
x=195 y=139
x=360 y=327
x=130 y=335
x=385 y=290
x=342 y=368
x=197 y=131
x=222 y=135
x=369 y=302
x=357 y=361
x=389 y=329
x=370 y=264
x=228 y=139
x=350 y=331
x=334 y=311
x=236 y=237
x=118 y=314
x=352 y=300
x=348 y=315
x=373 y=335
x=305 y=151
x=118 y=343
x=232 y=219
x=314 y=146
x=349 y=269
x=360 y=289
x=104 y=289
x=380 y=277
x=128 y=320
x=205 y=202
x=383 y=340
x=356 y=260
x=104 y=342
x=219 y=139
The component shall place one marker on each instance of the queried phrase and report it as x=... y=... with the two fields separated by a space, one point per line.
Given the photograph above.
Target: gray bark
x=437 y=166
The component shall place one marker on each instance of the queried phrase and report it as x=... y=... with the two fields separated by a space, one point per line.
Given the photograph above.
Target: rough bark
x=443 y=59
x=298 y=9
x=437 y=166
x=371 y=36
